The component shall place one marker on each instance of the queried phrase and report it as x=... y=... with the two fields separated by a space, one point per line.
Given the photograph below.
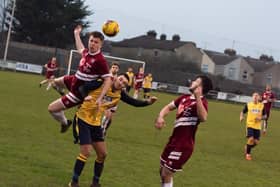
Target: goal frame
x=106 y=56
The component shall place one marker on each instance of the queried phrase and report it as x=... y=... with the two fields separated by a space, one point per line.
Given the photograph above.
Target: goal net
x=124 y=63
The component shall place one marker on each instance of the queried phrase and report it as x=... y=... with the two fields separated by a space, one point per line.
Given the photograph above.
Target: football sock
x=49 y=86
x=248 y=149
x=98 y=168
x=167 y=185
x=78 y=168
x=59 y=116
x=135 y=96
x=170 y=184
x=264 y=126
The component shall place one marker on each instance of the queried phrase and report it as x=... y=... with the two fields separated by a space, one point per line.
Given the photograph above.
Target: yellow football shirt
x=89 y=112
x=254 y=110
x=148 y=82
x=130 y=75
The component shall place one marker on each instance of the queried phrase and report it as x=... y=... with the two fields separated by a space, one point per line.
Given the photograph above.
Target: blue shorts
x=256 y=133
x=89 y=134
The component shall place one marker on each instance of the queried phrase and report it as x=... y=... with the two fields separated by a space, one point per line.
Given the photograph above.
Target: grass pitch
x=34 y=153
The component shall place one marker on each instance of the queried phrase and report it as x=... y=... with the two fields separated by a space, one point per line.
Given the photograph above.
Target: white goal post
x=110 y=59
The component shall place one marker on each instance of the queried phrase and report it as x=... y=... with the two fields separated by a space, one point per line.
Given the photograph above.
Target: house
x=239 y=70
x=149 y=47
x=270 y=76
x=207 y=64
x=231 y=67
x=265 y=72
x=215 y=61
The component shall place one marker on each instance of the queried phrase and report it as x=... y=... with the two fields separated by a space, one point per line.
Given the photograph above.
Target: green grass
x=34 y=153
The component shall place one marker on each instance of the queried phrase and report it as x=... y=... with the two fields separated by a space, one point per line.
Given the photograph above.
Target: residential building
x=149 y=46
x=265 y=72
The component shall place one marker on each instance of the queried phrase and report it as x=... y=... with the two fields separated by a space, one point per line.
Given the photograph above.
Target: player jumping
x=92 y=66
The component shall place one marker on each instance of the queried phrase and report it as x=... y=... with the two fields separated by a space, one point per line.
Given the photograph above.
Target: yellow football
x=110 y=28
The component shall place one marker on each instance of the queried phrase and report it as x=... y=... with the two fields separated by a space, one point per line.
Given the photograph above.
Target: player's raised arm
x=201 y=110
x=79 y=44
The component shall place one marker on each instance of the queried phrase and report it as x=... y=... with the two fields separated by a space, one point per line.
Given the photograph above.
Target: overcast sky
x=250 y=26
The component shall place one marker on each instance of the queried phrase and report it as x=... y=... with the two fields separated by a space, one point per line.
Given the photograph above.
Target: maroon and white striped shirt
x=92 y=66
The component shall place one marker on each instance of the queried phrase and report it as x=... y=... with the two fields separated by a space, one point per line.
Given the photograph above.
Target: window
x=139 y=52
x=269 y=78
x=156 y=53
x=204 y=68
x=245 y=75
x=231 y=72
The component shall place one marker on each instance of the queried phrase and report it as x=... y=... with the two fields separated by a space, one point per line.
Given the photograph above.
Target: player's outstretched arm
x=160 y=122
x=136 y=102
x=106 y=85
x=79 y=44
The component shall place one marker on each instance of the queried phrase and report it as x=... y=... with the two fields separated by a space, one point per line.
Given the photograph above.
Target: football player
x=138 y=81
x=268 y=97
x=89 y=131
x=191 y=110
x=255 y=114
x=91 y=67
x=51 y=68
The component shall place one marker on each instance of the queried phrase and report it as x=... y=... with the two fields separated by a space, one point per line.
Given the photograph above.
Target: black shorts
x=147 y=90
x=89 y=134
x=256 y=133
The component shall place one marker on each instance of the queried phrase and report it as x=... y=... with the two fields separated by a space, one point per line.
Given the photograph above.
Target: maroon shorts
x=174 y=158
x=73 y=97
x=138 y=85
x=267 y=112
x=49 y=74
x=179 y=148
